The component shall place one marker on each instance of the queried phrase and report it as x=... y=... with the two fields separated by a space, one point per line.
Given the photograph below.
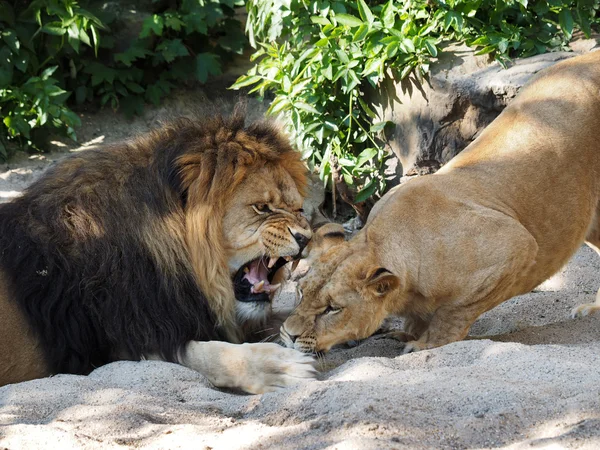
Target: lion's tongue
x=258 y=276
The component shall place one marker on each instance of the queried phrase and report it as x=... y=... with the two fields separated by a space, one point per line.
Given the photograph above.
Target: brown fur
x=129 y=251
x=499 y=219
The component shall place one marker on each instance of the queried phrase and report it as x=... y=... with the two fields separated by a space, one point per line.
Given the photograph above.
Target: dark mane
x=95 y=251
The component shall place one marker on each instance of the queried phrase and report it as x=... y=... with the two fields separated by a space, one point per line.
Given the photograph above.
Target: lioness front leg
x=253 y=368
x=450 y=323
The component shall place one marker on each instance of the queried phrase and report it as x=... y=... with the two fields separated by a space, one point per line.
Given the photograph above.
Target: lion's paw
x=584 y=310
x=271 y=367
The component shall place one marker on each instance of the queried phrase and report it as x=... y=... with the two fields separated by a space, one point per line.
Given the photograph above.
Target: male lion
x=500 y=218
x=146 y=250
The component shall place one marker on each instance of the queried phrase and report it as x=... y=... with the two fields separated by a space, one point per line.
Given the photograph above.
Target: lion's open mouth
x=252 y=283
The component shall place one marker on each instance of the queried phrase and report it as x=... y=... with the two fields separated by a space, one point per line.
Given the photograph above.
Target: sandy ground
x=528 y=378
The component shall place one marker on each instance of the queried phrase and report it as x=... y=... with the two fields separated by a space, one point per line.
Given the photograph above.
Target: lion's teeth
x=246 y=270
x=259 y=287
x=272 y=261
x=288 y=258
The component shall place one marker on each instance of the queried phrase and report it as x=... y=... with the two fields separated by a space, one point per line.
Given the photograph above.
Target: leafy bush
x=30 y=97
x=52 y=49
x=187 y=42
x=318 y=57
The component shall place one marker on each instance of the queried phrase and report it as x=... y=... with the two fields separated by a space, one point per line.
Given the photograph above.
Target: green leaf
x=565 y=19
x=132 y=105
x=174 y=23
x=83 y=37
x=366 y=155
x=366 y=109
x=365 y=12
x=306 y=107
x=96 y=40
x=134 y=87
x=47 y=73
x=171 y=49
x=366 y=192
x=376 y=127
x=245 y=80
x=320 y=20
x=133 y=53
x=153 y=24
x=21 y=61
x=387 y=15
x=54 y=28
x=10 y=37
x=431 y=48
x=407 y=46
x=348 y=20
x=207 y=64
x=361 y=33
x=342 y=56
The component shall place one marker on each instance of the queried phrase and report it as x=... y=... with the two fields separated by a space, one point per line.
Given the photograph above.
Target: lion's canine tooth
x=246 y=270
x=259 y=287
x=272 y=261
x=288 y=258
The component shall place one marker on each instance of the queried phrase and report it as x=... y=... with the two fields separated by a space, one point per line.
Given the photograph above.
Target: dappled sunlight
x=10 y=194
x=552 y=284
x=560 y=432
x=500 y=349
x=88 y=144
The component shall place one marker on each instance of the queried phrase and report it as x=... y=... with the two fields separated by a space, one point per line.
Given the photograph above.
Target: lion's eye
x=332 y=310
x=261 y=208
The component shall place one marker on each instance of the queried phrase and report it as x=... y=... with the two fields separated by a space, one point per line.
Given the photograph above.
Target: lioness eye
x=332 y=310
x=261 y=208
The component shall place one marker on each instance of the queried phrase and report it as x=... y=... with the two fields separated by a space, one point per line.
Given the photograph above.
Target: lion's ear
x=380 y=282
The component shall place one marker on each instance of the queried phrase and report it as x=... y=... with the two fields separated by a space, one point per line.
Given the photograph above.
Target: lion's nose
x=293 y=338
x=301 y=240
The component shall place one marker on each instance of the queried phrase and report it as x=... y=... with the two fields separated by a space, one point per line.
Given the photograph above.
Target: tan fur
x=499 y=219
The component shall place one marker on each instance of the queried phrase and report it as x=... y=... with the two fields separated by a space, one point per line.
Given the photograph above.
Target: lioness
x=162 y=248
x=499 y=219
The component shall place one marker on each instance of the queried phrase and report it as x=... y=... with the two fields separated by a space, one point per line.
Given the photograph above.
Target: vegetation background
x=314 y=59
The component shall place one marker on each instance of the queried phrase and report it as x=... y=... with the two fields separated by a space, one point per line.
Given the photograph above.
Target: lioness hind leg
x=593 y=241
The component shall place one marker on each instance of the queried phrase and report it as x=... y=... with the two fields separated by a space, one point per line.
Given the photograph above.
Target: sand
x=528 y=377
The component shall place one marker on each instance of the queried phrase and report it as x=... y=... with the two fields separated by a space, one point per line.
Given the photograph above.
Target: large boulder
x=436 y=120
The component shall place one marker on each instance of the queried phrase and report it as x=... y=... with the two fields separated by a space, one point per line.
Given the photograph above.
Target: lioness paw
x=272 y=367
x=584 y=310
x=414 y=346
x=397 y=335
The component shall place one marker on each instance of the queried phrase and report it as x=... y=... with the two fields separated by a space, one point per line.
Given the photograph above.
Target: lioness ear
x=324 y=237
x=380 y=282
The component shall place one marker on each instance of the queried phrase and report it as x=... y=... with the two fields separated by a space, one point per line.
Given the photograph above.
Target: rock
x=464 y=93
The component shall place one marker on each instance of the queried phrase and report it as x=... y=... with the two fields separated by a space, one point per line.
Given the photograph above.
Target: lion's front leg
x=253 y=368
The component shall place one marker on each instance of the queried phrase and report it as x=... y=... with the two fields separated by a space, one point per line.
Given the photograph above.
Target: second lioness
x=500 y=218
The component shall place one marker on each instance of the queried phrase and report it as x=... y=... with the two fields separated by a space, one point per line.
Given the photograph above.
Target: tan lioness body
x=499 y=219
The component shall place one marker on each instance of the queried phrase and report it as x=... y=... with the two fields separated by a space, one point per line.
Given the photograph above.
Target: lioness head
x=346 y=295
x=244 y=190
